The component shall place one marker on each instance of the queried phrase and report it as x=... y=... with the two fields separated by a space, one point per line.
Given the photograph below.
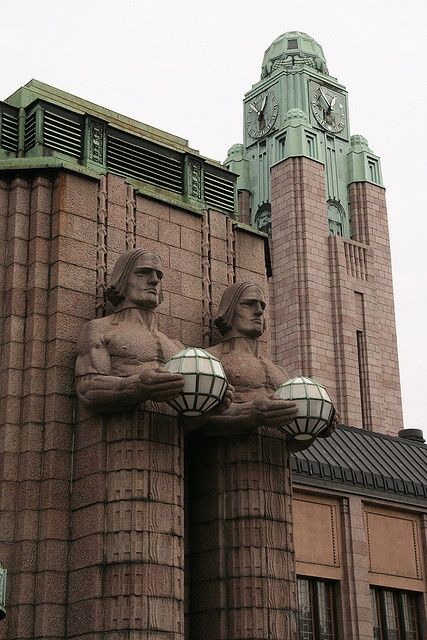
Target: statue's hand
x=225 y=402
x=330 y=428
x=273 y=412
x=192 y=424
x=227 y=399
x=158 y=385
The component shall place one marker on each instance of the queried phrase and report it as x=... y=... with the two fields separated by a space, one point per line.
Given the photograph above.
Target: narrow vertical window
x=394 y=615
x=325 y=612
x=362 y=361
x=316 y=610
x=306 y=610
x=336 y=219
x=391 y=616
x=376 y=619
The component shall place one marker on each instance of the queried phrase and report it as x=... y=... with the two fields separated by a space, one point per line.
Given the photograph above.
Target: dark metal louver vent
x=219 y=192
x=62 y=132
x=30 y=131
x=132 y=158
x=9 y=131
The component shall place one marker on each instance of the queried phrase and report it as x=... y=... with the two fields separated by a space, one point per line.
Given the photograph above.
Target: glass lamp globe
x=315 y=408
x=205 y=382
x=3 y=578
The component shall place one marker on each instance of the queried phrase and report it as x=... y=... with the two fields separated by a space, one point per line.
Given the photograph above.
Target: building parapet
x=95 y=141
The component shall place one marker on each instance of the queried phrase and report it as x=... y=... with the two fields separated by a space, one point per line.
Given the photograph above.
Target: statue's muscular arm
x=100 y=391
x=243 y=417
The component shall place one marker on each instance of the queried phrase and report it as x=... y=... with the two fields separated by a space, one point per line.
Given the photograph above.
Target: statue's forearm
x=109 y=393
x=238 y=418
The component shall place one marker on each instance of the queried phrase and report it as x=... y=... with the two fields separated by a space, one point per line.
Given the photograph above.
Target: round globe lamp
x=205 y=382
x=315 y=408
x=3 y=578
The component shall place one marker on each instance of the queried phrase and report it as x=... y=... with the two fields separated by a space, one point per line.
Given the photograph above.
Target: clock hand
x=331 y=106
x=263 y=104
x=253 y=107
x=324 y=97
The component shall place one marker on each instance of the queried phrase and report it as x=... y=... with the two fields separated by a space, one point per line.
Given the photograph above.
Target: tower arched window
x=336 y=217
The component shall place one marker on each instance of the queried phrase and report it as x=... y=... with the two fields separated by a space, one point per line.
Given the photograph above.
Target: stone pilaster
x=304 y=334
x=370 y=225
x=357 y=621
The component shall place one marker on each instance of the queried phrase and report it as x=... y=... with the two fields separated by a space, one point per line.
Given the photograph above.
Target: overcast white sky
x=184 y=65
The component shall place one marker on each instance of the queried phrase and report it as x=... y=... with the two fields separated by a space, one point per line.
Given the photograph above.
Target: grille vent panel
x=9 y=132
x=127 y=158
x=30 y=131
x=219 y=192
x=53 y=127
x=62 y=133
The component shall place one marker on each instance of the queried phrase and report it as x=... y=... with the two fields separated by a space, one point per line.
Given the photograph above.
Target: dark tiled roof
x=358 y=461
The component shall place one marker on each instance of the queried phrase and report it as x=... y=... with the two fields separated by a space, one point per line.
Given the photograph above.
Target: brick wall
x=302 y=305
x=333 y=299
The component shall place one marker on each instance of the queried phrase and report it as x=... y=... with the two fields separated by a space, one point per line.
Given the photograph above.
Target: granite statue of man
x=120 y=376
x=119 y=357
x=240 y=489
x=254 y=378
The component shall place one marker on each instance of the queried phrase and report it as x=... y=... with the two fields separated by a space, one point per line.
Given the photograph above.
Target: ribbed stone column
x=127 y=557
x=241 y=561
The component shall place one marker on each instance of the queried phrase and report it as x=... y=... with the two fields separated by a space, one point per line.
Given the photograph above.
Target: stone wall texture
x=333 y=297
x=92 y=526
x=119 y=528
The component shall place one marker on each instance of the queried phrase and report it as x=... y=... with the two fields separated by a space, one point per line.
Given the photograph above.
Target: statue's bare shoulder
x=93 y=334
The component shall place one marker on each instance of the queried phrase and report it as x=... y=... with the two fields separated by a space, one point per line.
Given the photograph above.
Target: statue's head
x=241 y=311
x=136 y=279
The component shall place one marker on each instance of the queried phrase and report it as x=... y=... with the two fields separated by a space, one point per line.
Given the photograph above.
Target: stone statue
x=120 y=357
x=241 y=485
x=139 y=439
x=254 y=378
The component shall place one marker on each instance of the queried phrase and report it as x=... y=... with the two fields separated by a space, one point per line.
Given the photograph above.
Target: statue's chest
x=245 y=370
x=132 y=344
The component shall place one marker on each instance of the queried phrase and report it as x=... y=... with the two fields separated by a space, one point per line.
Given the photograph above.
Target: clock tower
x=298 y=109
x=317 y=191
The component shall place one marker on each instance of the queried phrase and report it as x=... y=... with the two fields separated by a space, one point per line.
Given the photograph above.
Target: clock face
x=329 y=109
x=261 y=114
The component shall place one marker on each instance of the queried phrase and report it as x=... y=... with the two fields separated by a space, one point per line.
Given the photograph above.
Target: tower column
x=333 y=298
x=370 y=226
x=302 y=303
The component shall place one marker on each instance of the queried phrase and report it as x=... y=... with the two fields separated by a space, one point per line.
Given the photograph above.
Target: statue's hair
x=116 y=289
x=227 y=306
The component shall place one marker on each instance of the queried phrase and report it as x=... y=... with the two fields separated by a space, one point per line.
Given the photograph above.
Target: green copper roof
x=291 y=48
x=44 y=127
x=34 y=89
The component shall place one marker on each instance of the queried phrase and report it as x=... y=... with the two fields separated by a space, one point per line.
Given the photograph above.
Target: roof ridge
x=384 y=436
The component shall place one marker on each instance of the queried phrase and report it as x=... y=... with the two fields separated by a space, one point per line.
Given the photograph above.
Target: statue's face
x=143 y=286
x=248 y=319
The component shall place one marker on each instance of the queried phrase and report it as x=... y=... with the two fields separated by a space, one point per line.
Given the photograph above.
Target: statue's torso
x=121 y=345
x=252 y=376
x=131 y=346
